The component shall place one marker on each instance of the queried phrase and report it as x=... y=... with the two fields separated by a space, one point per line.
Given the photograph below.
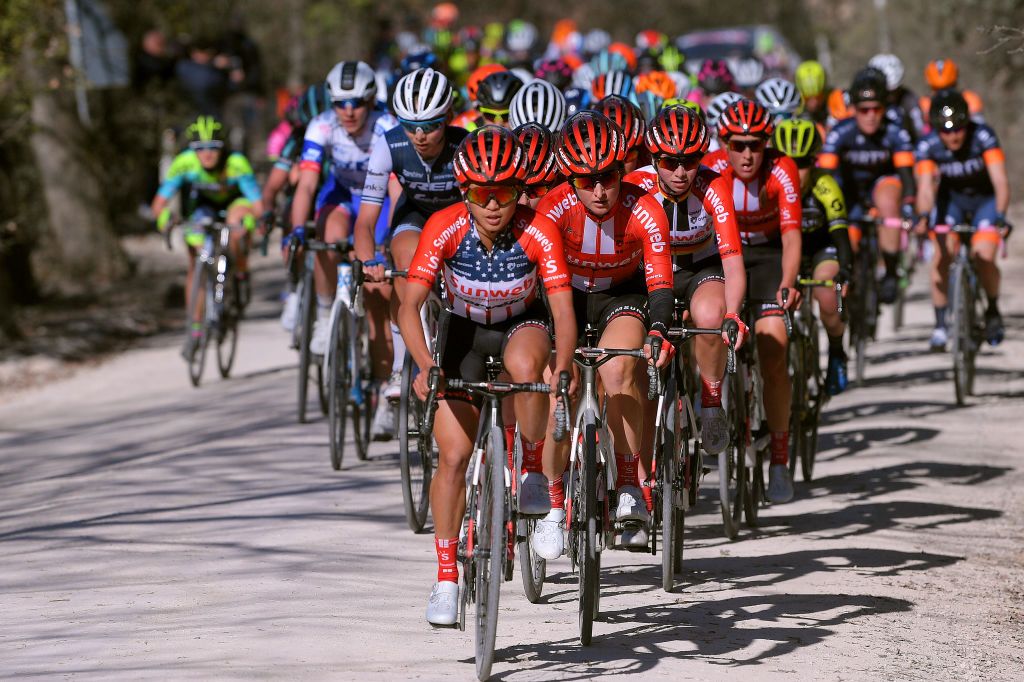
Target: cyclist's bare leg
x=771 y=353
x=240 y=238
x=707 y=309
x=403 y=248
x=941 y=260
x=828 y=307
x=622 y=380
x=984 y=253
x=453 y=422
x=188 y=282
x=377 y=302
x=886 y=197
x=526 y=355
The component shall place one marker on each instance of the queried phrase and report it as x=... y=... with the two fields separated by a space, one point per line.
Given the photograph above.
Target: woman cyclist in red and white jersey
x=616 y=246
x=766 y=193
x=494 y=254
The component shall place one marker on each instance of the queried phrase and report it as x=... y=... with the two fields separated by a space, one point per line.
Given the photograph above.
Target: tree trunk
x=78 y=253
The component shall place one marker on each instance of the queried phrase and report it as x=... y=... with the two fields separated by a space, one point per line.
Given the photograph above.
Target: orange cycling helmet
x=839 y=105
x=626 y=115
x=658 y=82
x=473 y=82
x=627 y=53
x=490 y=155
x=745 y=117
x=539 y=146
x=590 y=144
x=677 y=131
x=941 y=74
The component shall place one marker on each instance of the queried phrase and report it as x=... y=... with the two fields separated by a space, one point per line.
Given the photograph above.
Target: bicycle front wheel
x=489 y=550
x=363 y=402
x=339 y=384
x=227 y=332
x=962 y=342
x=197 y=331
x=307 y=312
x=732 y=460
x=415 y=452
x=586 y=526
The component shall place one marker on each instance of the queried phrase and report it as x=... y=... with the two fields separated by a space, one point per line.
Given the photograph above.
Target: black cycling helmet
x=948 y=111
x=868 y=86
x=497 y=90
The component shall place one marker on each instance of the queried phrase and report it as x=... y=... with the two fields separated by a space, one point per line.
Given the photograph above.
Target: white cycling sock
x=399 y=358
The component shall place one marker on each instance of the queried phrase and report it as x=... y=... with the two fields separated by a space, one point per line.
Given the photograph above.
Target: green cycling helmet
x=810 y=79
x=681 y=102
x=206 y=133
x=797 y=138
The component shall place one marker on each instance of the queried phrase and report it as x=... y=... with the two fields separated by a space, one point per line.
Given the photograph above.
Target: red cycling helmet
x=677 y=131
x=490 y=155
x=745 y=117
x=539 y=146
x=627 y=116
x=590 y=144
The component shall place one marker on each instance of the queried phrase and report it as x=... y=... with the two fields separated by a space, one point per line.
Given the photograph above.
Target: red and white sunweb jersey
x=490 y=286
x=768 y=204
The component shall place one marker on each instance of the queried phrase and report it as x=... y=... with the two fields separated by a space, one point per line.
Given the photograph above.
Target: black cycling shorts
x=687 y=280
x=468 y=344
x=601 y=307
x=764 y=276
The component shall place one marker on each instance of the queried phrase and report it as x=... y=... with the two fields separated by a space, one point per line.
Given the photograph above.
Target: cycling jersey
x=348 y=157
x=904 y=111
x=824 y=222
x=427 y=187
x=493 y=286
x=608 y=252
x=964 y=171
x=858 y=160
x=768 y=204
x=291 y=149
x=693 y=234
x=218 y=188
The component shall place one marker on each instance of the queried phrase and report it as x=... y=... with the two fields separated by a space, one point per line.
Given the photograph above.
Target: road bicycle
x=486 y=537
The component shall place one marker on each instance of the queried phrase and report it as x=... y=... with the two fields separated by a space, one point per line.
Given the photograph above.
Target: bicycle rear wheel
x=669 y=476
x=531 y=565
x=489 y=550
x=199 y=297
x=363 y=400
x=416 y=452
x=754 y=497
x=962 y=342
x=227 y=332
x=307 y=312
x=732 y=460
x=586 y=527
x=339 y=383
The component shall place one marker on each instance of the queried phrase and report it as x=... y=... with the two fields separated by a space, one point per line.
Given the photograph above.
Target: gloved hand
x=163 y=219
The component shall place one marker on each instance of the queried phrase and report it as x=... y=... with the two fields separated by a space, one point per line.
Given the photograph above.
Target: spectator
x=204 y=78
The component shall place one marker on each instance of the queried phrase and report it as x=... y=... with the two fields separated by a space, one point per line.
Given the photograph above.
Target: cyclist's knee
x=403 y=248
x=619 y=375
x=708 y=312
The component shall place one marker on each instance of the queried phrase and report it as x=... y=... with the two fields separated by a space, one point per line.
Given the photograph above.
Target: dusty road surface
x=149 y=530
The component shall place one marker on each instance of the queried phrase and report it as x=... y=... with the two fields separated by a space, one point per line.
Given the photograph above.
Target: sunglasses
x=425 y=127
x=868 y=109
x=669 y=164
x=482 y=195
x=354 y=102
x=589 y=182
x=495 y=115
x=537 y=191
x=212 y=145
x=743 y=145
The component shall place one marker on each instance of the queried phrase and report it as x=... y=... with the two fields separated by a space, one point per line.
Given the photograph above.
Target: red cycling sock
x=627 y=469
x=647 y=490
x=533 y=456
x=779 y=447
x=556 y=493
x=711 y=395
x=447 y=567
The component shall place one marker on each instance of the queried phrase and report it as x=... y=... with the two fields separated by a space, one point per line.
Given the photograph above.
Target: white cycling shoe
x=291 y=311
x=548 y=539
x=630 y=505
x=321 y=330
x=383 y=427
x=443 y=606
x=780 y=484
x=714 y=429
x=534 y=499
x=392 y=390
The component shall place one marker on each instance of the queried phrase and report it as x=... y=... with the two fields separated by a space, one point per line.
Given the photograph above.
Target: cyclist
x=872 y=158
x=612 y=232
x=749 y=73
x=612 y=83
x=780 y=98
x=766 y=192
x=972 y=186
x=470 y=119
x=713 y=78
x=341 y=138
x=212 y=179
x=494 y=99
x=419 y=153
x=942 y=74
x=493 y=253
x=541 y=166
x=705 y=243
x=629 y=119
x=811 y=82
x=903 y=104
x=826 y=242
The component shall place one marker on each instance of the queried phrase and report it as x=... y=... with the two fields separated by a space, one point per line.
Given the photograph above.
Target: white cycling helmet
x=521 y=36
x=718 y=104
x=747 y=72
x=538 y=102
x=596 y=40
x=779 y=96
x=351 y=80
x=583 y=76
x=891 y=66
x=422 y=95
x=682 y=81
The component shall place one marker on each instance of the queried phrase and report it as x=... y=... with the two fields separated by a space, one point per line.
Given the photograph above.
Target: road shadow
x=835 y=445
x=900 y=477
x=896 y=408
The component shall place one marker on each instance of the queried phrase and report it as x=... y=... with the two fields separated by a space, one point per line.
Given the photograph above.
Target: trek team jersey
x=859 y=159
x=428 y=187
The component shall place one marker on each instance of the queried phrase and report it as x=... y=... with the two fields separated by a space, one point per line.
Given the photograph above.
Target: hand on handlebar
x=742 y=331
x=788 y=297
x=373 y=270
x=421 y=386
x=667 y=352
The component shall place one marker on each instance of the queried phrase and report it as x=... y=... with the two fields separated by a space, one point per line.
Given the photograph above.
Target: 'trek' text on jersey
x=428 y=186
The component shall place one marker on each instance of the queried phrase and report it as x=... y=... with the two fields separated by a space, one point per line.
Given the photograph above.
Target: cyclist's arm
x=423 y=271
x=903 y=161
x=412 y=328
x=926 y=172
x=274 y=184
x=995 y=164
x=184 y=165
x=378 y=174
x=718 y=203
x=787 y=192
x=826 y=191
x=394 y=194
x=548 y=252
x=657 y=263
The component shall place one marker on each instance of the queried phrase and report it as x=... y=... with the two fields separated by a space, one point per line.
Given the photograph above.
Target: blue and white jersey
x=347 y=157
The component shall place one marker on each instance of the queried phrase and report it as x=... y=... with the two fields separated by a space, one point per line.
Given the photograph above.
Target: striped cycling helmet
x=745 y=117
x=677 y=131
x=590 y=144
x=539 y=102
x=539 y=146
x=490 y=155
x=422 y=95
x=627 y=116
x=612 y=83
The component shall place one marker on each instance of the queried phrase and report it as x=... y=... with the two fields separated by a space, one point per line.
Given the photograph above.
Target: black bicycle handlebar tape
x=732 y=330
x=357 y=271
x=167 y=238
x=786 y=320
x=653 y=375
x=433 y=380
x=561 y=407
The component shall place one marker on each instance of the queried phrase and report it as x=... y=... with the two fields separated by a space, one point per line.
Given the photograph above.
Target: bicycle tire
x=199 y=295
x=362 y=408
x=531 y=565
x=416 y=469
x=307 y=312
x=798 y=398
x=227 y=333
x=490 y=533
x=731 y=469
x=339 y=384
x=587 y=524
x=667 y=468
x=962 y=309
x=755 y=493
